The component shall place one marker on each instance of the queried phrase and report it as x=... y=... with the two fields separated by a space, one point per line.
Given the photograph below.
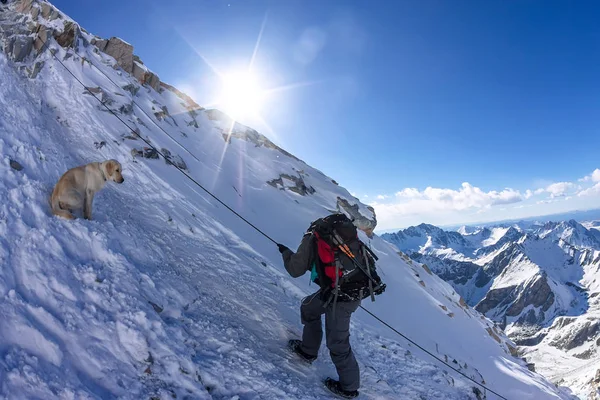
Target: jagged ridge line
x=253 y=226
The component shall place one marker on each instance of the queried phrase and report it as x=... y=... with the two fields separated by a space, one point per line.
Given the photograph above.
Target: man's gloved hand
x=282 y=247
x=379 y=289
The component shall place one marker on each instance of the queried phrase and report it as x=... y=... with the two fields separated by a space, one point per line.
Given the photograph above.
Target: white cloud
x=466 y=197
x=548 y=201
x=559 y=189
x=594 y=176
x=594 y=190
x=410 y=193
x=470 y=204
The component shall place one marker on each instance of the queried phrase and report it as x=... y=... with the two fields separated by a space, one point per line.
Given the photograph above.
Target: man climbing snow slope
x=344 y=268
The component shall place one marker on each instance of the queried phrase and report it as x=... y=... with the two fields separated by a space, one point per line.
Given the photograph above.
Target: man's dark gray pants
x=337 y=333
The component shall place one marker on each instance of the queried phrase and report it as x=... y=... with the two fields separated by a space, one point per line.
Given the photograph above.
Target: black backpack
x=343 y=266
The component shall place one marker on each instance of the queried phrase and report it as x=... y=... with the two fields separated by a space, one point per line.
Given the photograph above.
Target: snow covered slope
x=542 y=282
x=166 y=294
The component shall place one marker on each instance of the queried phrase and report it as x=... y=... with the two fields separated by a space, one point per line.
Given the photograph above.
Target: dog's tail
x=55 y=206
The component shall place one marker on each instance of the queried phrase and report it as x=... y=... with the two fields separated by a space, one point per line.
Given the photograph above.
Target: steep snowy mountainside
x=540 y=281
x=571 y=232
x=166 y=293
x=592 y=224
x=428 y=239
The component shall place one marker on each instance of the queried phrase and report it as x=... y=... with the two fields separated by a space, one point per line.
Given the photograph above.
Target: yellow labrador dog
x=76 y=188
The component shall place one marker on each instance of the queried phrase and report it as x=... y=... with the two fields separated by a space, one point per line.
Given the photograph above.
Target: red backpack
x=343 y=264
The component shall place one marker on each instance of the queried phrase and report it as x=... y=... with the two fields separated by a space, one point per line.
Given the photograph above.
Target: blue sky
x=391 y=98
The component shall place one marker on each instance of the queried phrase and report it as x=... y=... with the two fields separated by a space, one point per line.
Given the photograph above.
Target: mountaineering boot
x=335 y=388
x=296 y=346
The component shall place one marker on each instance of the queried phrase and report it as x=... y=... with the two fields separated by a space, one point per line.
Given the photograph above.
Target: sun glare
x=242 y=95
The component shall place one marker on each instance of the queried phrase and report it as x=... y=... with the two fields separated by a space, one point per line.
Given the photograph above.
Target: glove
x=282 y=248
x=379 y=289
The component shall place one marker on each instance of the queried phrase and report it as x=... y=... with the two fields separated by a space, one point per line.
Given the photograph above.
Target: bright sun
x=241 y=95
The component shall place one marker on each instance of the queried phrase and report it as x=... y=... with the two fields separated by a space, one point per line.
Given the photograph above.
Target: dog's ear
x=109 y=166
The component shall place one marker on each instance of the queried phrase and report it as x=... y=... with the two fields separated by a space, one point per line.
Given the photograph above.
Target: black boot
x=296 y=346
x=335 y=388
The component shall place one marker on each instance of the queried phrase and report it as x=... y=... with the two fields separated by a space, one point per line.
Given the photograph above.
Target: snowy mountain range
x=166 y=293
x=539 y=281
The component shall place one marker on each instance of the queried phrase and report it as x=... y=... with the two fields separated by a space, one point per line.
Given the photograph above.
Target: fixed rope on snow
x=239 y=215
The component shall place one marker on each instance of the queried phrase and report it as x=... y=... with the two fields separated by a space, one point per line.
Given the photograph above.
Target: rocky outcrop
x=454 y=271
x=513 y=300
x=496 y=298
x=173 y=159
x=27 y=27
x=577 y=335
x=363 y=223
x=69 y=36
x=20 y=47
x=293 y=183
x=503 y=260
x=118 y=49
x=539 y=294
x=15 y=165
x=145 y=76
x=150 y=153
x=122 y=52
x=146 y=152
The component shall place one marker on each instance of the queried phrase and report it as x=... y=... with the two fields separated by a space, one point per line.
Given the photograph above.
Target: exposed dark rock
x=49 y=12
x=126 y=108
x=530 y=340
x=19 y=47
x=158 y=310
x=131 y=88
x=453 y=271
x=162 y=114
x=37 y=68
x=146 y=152
x=586 y=355
x=121 y=51
x=500 y=262
x=100 y=145
x=495 y=298
x=93 y=90
x=69 y=36
x=538 y=295
x=15 y=165
x=173 y=159
x=40 y=43
x=576 y=337
x=106 y=99
x=145 y=76
x=299 y=186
